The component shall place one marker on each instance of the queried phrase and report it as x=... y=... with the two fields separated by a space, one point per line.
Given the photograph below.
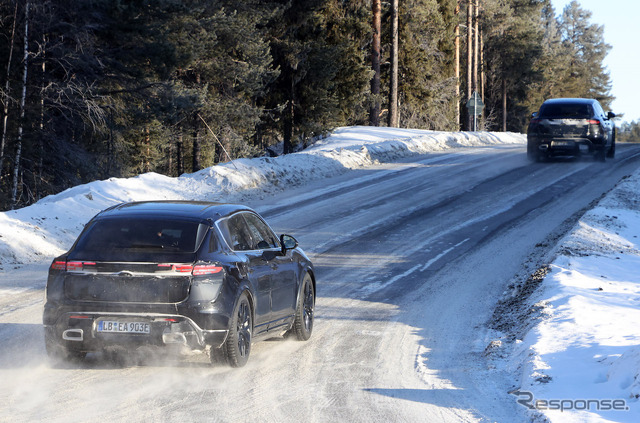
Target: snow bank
x=47 y=228
x=581 y=361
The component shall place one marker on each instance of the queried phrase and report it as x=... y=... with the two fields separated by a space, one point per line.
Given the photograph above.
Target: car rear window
x=139 y=239
x=566 y=111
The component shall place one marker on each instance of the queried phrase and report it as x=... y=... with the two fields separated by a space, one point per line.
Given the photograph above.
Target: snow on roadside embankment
x=580 y=360
x=45 y=229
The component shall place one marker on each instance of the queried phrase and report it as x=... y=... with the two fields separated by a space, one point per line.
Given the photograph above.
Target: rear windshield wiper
x=152 y=247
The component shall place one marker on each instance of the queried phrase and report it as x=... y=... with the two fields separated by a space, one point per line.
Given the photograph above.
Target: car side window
x=599 y=110
x=236 y=233
x=263 y=237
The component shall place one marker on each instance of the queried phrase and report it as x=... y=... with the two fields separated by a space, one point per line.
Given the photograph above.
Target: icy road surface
x=411 y=258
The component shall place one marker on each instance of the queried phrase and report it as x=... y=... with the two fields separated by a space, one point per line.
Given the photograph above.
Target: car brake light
x=198 y=270
x=59 y=265
x=205 y=269
x=71 y=265
x=594 y=122
x=74 y=265
x=183 y=268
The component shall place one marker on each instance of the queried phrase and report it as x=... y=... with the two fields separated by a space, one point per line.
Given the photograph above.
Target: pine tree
x=319 y=48
x=584 y=42
x=427 y=83
x=513 y=45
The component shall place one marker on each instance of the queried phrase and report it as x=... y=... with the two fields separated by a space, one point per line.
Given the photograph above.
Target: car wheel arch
x=252 y=304
x=305 y=271
x=302 y=324
x=313 y=279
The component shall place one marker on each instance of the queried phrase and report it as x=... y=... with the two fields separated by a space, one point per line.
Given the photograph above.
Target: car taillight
x=183 y=268
x=59 y=265
x=205 y=269
x=197 y=270
x=79 y=265
x=593 y=122
x=72 y=266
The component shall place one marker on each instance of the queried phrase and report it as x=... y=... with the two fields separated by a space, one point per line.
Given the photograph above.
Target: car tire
x=612 y=150
x=238 y=344
x=303 y=323
x=57 y=351
x=532 y=153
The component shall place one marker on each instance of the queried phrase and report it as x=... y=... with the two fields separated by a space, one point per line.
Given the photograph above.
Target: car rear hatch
x=565 y=128
x=133 y=260
x=566 y=120
x=127 y=282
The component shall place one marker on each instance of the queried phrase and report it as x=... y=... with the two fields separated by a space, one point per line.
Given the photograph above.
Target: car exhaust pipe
x=76 y=335
x=174 y=338
x=543 y=147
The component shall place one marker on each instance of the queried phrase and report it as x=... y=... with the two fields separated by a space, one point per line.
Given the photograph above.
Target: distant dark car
x=571 y=127
x=205 y=275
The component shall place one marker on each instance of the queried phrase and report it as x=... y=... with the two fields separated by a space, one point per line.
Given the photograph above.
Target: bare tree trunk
x=110 y=148
x=475 y=47
x=482 y=75
x=40 y=166
x=374 y=113
x=457 y=44
x=393 y=92
x=147 y=143
x=195 y=146
x=196 y=164
x=170 y=159
x=6 y=92
x=179 y=161
x=16 y=167
x=288 y=119
x=504 y=105
x=469 y=59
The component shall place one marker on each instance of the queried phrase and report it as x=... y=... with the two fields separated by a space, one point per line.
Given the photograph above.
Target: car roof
x=570 y=101
x=196 y=210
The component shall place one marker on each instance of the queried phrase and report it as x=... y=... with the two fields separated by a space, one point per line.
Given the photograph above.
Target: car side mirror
x=288 y=243
x=611 y=115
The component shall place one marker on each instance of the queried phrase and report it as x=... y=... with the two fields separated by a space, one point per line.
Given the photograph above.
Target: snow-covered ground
x=578 y=349
x=578 y=358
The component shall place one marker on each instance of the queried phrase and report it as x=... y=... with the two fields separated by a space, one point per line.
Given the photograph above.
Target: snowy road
x=411 y=258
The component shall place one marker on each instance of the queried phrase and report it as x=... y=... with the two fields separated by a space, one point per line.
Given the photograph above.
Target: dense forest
x=99 y=88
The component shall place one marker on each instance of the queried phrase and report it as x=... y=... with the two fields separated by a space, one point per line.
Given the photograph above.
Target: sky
x=621 y=31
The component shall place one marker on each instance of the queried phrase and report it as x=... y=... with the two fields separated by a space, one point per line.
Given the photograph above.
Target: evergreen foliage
x=120 y=87
x=427 y=97
x=513 y=46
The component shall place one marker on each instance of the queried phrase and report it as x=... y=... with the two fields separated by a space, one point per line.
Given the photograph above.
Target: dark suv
x=571 y=127
x=204 y=275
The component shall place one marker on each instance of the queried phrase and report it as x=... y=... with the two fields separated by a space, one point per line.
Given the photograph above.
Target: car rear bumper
x=94 y=331
x=565 y=146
